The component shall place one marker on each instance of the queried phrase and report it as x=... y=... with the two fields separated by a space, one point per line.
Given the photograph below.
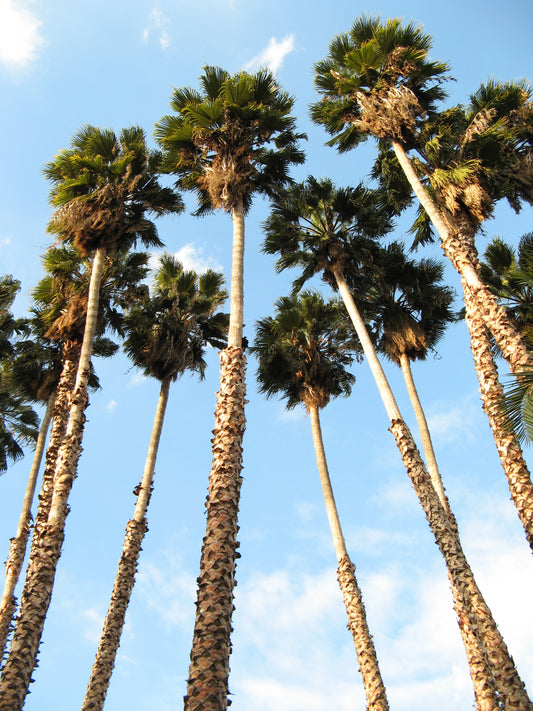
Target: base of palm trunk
x=207 y=688
x=376 y=696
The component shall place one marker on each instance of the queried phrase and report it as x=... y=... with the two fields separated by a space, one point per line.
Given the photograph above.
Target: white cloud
x=297 y=414
x=5 y=242
x=157 y=23
x=137 y=379
x=111 y=405
x=273 y=55
x=94 y=624
x=456 y=423
x=20 y=39
x=191 y=256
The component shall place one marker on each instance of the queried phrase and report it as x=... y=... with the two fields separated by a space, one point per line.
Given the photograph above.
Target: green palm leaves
x=233 y=138
x=304 y=349
x=320 y=227
x=377 y=80
x=104 y=185
x=409 y=305
x=167 y=332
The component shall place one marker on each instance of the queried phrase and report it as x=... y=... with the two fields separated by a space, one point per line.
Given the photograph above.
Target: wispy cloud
x=111 y=406
x=273 y=55
x=137 y=379
x=20 y=38
x=192 y=257
x=455 y=423
x=157 y=23
x=5 y=242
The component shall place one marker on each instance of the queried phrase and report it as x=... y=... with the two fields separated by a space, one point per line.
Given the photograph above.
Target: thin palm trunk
x=506 y=335
x=427 y=444
x=17 y=548
x=207 y=685
x=509 y=451
x=125 y=579
x=376 y=696
x=37 y=593
x=466 y=592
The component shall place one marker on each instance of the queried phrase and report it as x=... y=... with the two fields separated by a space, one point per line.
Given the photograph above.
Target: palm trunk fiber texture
x=207 y=687
x=510 y=687
x=509 y=450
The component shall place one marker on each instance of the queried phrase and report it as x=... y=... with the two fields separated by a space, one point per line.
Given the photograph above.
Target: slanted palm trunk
x=127 y=568
x=376 y=696
x=207 y=685
x=427 y=444
x=506 y=335
x=469 y=601
x=510 y=453
x=482 y=677
x=48 y=540
x=17 y=548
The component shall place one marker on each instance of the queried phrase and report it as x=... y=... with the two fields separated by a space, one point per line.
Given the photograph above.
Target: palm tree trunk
x=127 y=568
x=508 y=683
x=427 y=444
x=376 y=696
x=237 y=278
x=509 y=451
x=482 y=678
x=207 y=685
x=37 y=593
x=17 y=548
x=506 y=335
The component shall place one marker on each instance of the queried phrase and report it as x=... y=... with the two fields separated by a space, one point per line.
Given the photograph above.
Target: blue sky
x=114 y=64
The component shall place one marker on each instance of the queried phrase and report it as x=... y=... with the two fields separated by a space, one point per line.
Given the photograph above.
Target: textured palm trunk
x=478 y=663
x=427 y=444
x=509 y=451
x=48 y=540
x=494 y=316
x=127 y=568
x=469 y=600
x=376 y=696
x=17 y=548
x=207 y=685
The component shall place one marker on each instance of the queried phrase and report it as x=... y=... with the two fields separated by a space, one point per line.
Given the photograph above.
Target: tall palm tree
x=378 y=81
x=410 y=309
x=103 y=186
x=166 y=335
x=45 y=368
x=303 y=352
x=322 y=230
x=234 y=138
x=35 y=370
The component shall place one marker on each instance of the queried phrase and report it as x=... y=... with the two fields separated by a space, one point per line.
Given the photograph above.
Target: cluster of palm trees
x=231 y=139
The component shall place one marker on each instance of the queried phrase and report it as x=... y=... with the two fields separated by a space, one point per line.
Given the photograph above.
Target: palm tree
x=103 y=188
x=45 y=370
x=303 y=352
x=378 y=81
x=234 y=138
x=323 y=230
x=34 y=370
x=410 y=309
x=166 y=335
x=18 y=421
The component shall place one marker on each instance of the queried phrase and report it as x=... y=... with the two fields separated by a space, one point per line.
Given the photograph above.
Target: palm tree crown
x=320 y=228
x=377 y=80
x=409 y=306
x=233 y=138
x=168 y=331
x=304 y=349
x=104 y=185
